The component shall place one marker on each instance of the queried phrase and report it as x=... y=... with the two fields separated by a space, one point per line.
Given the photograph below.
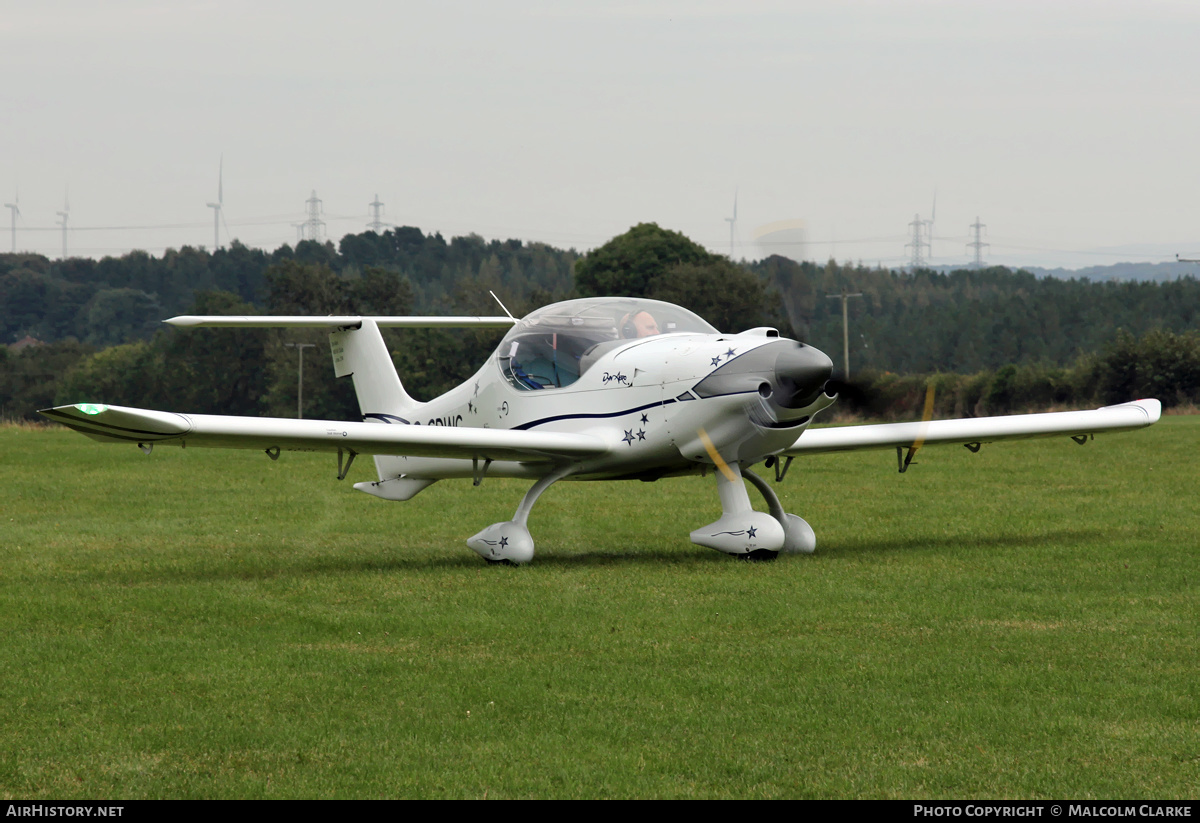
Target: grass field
x=1023 y=622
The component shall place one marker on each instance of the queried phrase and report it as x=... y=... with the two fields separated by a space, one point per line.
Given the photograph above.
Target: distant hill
x=1114 y=273
x=1125 y=272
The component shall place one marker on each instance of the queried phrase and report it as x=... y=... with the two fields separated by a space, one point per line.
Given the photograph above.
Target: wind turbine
x=732 y=221
x=64 y=214
x=15 y=208
x=216 y=207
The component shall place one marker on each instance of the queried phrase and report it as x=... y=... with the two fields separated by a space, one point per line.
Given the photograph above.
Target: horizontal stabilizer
x=336 y=322
x=143 y=426
x=1124 y=417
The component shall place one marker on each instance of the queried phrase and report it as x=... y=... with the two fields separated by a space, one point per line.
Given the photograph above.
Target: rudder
x=362 y=355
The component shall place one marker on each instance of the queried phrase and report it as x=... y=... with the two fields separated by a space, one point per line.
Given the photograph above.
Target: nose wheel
x=745 y=533
x=740 y=530
x=799 y=537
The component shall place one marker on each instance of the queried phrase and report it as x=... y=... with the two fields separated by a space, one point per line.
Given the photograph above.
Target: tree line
x=119 y=299
x=992 y=340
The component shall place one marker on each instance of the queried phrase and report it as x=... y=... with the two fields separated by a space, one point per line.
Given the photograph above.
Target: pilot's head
x=639 y=324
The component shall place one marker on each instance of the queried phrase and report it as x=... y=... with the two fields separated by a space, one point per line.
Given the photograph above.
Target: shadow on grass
x=1092 y=534
x=210 y=569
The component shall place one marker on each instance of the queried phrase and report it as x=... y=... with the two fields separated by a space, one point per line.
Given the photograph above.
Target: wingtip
x=1149 y=406
x=1152 y=407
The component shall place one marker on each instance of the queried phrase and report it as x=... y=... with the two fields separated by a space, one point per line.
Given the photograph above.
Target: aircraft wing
x=976 y=430
x=121 y=424
x=335 y=321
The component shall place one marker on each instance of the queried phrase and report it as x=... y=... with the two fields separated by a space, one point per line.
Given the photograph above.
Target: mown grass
x=1019 y=623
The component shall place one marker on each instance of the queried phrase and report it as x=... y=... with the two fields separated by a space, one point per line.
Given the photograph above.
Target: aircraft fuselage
x=648 y=398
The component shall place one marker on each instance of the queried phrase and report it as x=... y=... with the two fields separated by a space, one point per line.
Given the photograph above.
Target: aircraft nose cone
x=786 y=374
x=800 y=375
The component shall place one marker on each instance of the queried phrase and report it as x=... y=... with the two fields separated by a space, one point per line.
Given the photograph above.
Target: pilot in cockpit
x=639 y=324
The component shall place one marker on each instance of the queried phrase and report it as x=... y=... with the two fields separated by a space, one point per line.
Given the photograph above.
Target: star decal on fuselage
x=628 y=438
x=716 y=361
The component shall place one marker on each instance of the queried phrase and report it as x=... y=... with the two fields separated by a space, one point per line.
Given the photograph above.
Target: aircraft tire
x=758 y=556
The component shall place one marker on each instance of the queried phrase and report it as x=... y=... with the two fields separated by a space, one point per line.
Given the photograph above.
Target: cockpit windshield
x=554 y=345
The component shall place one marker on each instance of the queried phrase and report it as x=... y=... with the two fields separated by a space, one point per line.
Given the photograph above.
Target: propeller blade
x=852 y=397
x=903 y=462
x=925 y=417
x=716 y=456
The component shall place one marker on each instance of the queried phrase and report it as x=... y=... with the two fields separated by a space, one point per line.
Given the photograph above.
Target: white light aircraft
x=607 y=388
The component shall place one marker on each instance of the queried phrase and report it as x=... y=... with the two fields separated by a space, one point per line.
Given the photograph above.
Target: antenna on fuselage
x=506 y=311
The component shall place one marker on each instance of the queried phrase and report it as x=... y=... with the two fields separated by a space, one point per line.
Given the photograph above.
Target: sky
x=1068 y=129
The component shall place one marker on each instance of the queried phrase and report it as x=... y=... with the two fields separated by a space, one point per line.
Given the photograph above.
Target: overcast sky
x=1070 y=129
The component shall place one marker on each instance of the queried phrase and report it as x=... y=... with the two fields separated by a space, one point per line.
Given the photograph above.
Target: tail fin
x=361 y=354
x=358 y=351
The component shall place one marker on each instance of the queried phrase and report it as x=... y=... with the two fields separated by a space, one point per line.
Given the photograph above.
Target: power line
x=977 y=244
x=919 y=244
x=313 y=227
x=376 y=225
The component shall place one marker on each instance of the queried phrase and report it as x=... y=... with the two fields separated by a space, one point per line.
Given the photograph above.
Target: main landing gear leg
x=510 y=541
x=741 y=531
x=799 y=537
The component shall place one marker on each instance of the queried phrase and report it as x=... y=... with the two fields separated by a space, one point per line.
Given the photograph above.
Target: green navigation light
x=91 y=408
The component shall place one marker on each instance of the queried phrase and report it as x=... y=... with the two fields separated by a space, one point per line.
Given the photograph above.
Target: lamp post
x=300 y=377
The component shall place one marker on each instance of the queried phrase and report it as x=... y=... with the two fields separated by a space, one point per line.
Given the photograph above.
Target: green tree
x=796 y=285
x=215 y=371
x=629 y=264
x=381 y=292
x=295 y=288
x=126 y=375
x=1160 y=364
x=116 y=315
x=26 y=296
x=322 y=254
x=29 y=378
x=726 y=295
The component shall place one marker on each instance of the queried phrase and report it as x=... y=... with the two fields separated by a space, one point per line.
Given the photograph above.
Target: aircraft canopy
x=551 y=347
